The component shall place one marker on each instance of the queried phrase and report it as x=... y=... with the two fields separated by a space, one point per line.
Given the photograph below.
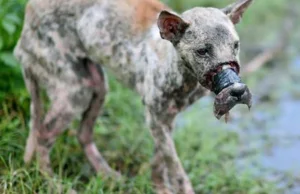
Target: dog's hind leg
x=56 y=121
x=85 y=135
x=36 y=112
x=44 y=130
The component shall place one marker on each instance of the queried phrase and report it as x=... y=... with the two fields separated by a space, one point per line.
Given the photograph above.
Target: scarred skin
x=65 y=44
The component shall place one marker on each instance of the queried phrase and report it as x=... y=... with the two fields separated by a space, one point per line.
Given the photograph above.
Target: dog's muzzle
x=230 y=91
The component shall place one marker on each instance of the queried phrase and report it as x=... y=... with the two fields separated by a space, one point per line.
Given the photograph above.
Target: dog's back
x=57 y=34
x=137 y=15
x=143 y=12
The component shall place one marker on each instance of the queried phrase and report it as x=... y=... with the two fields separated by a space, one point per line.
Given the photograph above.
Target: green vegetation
x=208 y=151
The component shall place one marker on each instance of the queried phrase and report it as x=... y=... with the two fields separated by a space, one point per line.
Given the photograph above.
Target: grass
x=207 y=151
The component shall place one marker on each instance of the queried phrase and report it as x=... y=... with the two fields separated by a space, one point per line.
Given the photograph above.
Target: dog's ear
x=236 y=10
x=171 y=26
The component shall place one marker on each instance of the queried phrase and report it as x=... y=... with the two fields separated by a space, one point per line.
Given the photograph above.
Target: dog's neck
x=164 y=64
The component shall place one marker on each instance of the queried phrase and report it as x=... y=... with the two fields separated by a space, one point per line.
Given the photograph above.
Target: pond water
x=271 y=147
x=285 y=155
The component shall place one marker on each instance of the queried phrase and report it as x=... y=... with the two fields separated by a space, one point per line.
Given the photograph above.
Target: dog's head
x=207 y=42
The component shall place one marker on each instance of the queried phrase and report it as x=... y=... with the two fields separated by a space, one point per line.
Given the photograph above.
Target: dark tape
x=224 y=79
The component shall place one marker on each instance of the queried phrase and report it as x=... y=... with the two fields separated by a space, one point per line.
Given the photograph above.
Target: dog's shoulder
x=139 y=14
x=142 y=13
x=145 y=12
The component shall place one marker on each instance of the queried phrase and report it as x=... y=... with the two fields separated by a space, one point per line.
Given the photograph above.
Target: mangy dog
x=169 y=59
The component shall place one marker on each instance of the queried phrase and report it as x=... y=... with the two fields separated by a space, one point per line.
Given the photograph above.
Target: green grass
x=207 y=151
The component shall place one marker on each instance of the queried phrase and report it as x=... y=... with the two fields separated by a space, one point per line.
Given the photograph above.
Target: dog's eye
x=202 y=52
x=236 y=45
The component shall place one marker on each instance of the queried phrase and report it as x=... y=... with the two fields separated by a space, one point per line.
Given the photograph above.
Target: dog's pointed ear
x=236 y=10
x=171 y=26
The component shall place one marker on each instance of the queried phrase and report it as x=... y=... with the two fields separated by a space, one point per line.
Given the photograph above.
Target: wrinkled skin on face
x=207 y=42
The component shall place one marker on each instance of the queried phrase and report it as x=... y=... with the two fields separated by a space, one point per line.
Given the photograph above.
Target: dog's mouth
x=209 y=76
x=228 y=87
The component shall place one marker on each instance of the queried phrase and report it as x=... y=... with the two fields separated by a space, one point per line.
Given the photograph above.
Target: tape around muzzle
x=224 y=79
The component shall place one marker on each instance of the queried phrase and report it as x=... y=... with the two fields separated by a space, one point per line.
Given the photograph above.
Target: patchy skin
x=65 y=44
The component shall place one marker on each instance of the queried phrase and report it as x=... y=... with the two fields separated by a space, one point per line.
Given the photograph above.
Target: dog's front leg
x=168 y=174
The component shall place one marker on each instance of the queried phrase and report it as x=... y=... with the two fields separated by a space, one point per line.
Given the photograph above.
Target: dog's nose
x=238 y=90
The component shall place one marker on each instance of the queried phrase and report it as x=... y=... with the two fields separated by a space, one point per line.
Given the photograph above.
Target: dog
x=170 y=60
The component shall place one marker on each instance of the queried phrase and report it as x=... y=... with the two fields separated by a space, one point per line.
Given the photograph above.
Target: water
x=296 y=63
x=274 y=141
x=285 y=154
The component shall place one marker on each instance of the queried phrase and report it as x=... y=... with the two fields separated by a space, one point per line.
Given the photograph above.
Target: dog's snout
x=238 y=89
